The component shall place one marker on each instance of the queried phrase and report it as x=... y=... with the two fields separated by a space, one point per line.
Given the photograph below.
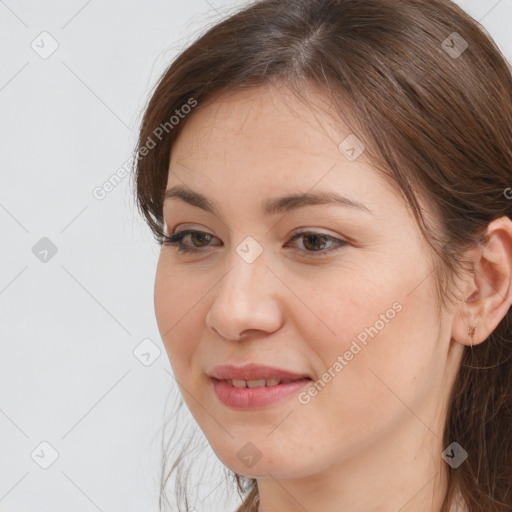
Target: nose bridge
x=246 y=280
x=244 y=299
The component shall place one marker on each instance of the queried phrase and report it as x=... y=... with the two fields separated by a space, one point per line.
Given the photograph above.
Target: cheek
x=390 y=356
x=346 y=307
x=164 y=298
x=175 y=305
x=173 y=295
x=378 y=321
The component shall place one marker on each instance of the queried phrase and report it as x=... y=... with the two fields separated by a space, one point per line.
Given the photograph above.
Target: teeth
x=257 y=383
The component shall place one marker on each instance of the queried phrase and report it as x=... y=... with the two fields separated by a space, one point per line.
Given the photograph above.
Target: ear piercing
x=471 y=332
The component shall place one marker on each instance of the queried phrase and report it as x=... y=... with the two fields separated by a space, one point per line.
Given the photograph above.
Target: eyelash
x=177 y=241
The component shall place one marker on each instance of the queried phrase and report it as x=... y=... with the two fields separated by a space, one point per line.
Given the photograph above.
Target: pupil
x=204 y=236
x=315 y=238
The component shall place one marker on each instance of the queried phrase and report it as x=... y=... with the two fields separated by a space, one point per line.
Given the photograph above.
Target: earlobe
x=466 y=328
x=471 y=332
x=468 y=312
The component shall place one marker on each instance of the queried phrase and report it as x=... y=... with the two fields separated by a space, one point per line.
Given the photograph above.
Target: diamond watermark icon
x=454 y=45
x=44 y=250
x=44 y=455
x=44 y=45
x=147 y=352
x=249 y=454
x=351 y=147
x=454 y=455
x=249 y=249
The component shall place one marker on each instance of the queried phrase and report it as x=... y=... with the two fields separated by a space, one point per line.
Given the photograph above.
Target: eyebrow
x=272 y=206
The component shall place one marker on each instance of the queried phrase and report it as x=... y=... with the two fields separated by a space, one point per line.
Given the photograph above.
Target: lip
x=249 y=398
x=253 y=372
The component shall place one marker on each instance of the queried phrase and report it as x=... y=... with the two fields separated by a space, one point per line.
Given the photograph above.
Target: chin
x=253 y=460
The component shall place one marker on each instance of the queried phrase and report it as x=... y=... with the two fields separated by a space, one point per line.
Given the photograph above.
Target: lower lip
x=248 y=398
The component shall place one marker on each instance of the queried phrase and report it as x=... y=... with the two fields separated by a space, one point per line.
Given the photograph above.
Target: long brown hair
x=430 y=95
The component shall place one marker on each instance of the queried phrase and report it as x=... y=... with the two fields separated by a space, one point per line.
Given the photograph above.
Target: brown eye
x=176 y=240
x=314 y=242
x=318 y=243
x=202 y=238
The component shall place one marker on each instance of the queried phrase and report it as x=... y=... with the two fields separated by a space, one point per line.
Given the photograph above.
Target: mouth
x=254 y=375
x=258 y=383
x=252 y=395
x=254 y=386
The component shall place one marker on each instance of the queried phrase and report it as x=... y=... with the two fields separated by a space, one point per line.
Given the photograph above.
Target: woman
x=330 y=183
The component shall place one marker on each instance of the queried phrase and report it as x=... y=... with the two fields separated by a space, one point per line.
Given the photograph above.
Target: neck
x=402 y=472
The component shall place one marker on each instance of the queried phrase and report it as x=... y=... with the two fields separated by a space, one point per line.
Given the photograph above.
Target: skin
x=372 y=438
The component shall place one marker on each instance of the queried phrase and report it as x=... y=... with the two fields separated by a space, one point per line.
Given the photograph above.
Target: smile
x=241 y=394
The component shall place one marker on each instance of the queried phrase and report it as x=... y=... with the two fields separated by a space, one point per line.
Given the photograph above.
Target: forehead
x=271 y=142
x=262 y=117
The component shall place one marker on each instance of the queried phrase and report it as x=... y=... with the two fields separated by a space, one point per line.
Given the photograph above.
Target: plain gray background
x=82 y=366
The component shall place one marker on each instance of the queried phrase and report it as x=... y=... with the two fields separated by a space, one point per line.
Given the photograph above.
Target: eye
x=177 y=240
x=319 y=242
x=313 y=242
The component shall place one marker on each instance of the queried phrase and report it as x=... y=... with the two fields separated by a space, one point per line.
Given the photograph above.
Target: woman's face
x=359 y=318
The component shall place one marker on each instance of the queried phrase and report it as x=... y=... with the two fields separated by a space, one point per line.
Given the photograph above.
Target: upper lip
x=252 y=372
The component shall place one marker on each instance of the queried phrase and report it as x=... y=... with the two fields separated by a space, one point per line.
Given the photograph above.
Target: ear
x=489 y=288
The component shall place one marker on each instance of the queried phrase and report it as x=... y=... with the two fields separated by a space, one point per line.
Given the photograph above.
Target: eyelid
x=301 y=231
x=312 y=231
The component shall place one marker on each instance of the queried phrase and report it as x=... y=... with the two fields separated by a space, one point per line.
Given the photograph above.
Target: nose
x=246 y=301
